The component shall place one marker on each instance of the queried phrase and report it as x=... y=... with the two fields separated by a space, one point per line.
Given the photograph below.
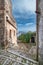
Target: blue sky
x=24 y=13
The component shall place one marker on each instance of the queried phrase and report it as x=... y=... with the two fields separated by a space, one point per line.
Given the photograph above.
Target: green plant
x=25 y=38
x=0 y=64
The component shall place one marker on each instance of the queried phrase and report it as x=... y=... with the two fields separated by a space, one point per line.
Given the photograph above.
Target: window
x=7 y=11
x=6 y=18
x=10 y=34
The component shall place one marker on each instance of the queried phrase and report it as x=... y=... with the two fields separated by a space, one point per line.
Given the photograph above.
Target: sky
x=24 y=14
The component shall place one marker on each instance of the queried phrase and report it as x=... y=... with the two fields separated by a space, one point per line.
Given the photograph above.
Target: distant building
x=8 y=28
x=33 y=39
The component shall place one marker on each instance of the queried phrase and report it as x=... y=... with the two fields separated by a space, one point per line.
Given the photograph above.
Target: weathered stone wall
x=10 y=25
x=41 y=33
x=6 y=9
x=1 y=27
x=13 y=38
x=1 y=23
x=1 y=4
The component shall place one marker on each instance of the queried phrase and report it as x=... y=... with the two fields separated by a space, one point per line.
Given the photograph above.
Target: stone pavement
x=11 y=57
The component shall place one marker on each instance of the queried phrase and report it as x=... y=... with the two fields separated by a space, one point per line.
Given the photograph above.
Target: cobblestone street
x=11 y=57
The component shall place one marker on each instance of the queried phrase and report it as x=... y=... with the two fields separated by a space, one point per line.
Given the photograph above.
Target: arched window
x=10 y=34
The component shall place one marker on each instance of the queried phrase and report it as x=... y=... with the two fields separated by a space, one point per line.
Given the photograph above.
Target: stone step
x=23 y=57
x=14 y=59
x=11 y=61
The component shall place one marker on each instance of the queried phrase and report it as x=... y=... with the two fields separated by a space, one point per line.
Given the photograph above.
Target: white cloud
x=20 y=24
x=24 y=5
x=28 y=24
x=17 y=16
x=26 y=29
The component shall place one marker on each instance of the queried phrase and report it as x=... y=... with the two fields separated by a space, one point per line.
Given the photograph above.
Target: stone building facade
x=8 y=28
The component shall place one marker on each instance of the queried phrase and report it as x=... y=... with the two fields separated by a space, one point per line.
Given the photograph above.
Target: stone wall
x=1 y=4
x=1 y=23
x=41 y=33
x=10 y=25
x=13 y=38
x=6 y=9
